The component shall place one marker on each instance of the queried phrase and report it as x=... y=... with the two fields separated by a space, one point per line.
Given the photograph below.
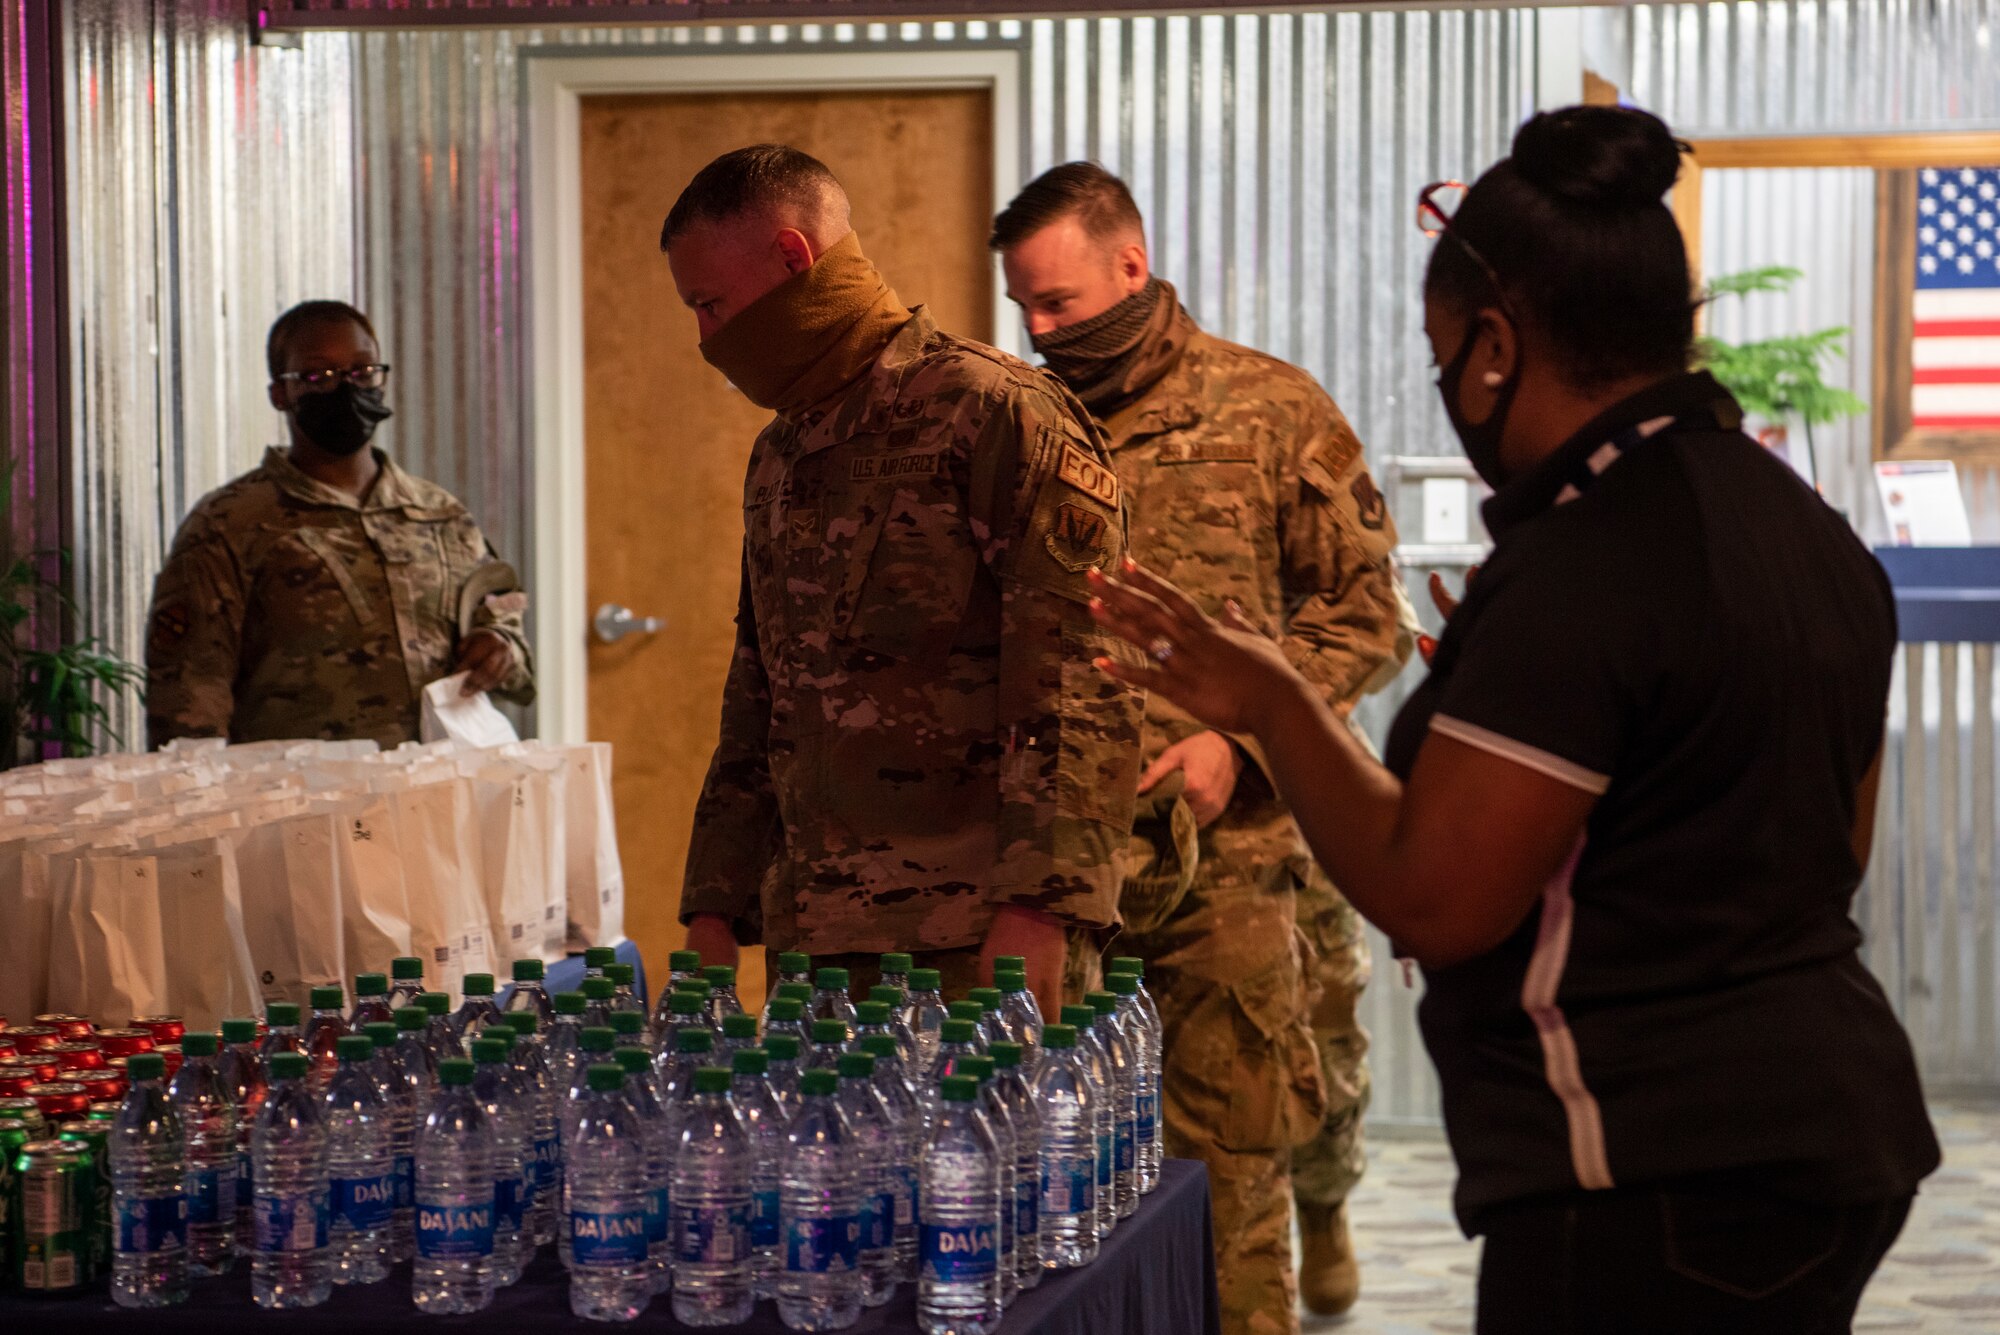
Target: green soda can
x=51 y=1194
x=25 y=1110
x=95 y=1137
x=14 y=1133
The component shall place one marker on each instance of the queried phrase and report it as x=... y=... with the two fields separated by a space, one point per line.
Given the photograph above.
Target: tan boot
x=1329 y=1276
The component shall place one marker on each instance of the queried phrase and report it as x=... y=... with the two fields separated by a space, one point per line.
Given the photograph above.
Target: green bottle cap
x=1005 y=1053
x=739 y=1026
x=979 y=1068
x=194 y=1043
x=787 y=1010
x=966 y=1010
x=146 y=1065
x=488 y=1051
x=801 y=992
x=1058 y=1036
x=621 y=975
x=502 y=1034
x=529 y=971
x=831 y=980
x=596 y=957
x=695 y=1040
x=879 y=1046
x=525 y=1023
x=988 y=997
x=1010 y=963
x=604 y=1078
x=751 y=1061
x=720 y=975
x=699 y=987
x=412 y=1018
x=284 y=1065
x=598 y=1038
x=959 y=1031
x=1123 y=984
x=326 y=998
x=794 y=961
x=627 y=1022
x=599 y=989
x=406 y=968
x=571 y=1003
x=282 y=1015
x=435 y=1004
x=633 y=1060
x=1011 y=980
x=829 y=1031
x=1104 y=1003
x=872 y=1012
x=856 y=1066
x=379 y=1033
x=782 y=1047
x=685 y=1003
x=925 y=980
x=896 y=961
x=711 y=1080
x=477 y=985
x=818 y=1082
x=959 y=1089
x=684 y=961
x=1131 y=964
x=1081 y=1017
x=887 y=994
x=371 y=985
x=239 y=1031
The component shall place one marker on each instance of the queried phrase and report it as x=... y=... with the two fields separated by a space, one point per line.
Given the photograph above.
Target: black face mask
x=340 y=420
x=1481 y=441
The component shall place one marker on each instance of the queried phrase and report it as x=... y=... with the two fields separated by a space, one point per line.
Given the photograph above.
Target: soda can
x=7 y=1048
x=38 y=1064
x=27 y=1111
x=14 y=1133
x=78 y=1055
x=60 y=1100
x=51 y=1197
x=105 y=1084
x=69 y=1026
x=104 y=1110
x=124 y=1042
x=34 y=1037
x=96 y=1137
x=172 y=1052
x=164 y=1028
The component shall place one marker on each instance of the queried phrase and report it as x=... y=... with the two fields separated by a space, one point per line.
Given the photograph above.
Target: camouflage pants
x=1328 y=1167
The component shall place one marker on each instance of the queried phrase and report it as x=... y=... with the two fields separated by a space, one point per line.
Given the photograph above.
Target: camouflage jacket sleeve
x=1045 y=507
x=505 y=614
x=194 y=636
x=736 y=828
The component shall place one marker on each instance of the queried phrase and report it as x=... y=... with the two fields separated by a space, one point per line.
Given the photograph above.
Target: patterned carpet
x=1943 y=1278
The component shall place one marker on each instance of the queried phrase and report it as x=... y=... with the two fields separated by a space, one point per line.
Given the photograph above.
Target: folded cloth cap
x=1166 y=850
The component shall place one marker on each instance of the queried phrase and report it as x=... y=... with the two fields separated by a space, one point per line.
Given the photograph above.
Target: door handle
x=613 y=623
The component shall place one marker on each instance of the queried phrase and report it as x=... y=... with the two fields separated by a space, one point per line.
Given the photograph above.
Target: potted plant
x=1778 y=379
x=54 y=697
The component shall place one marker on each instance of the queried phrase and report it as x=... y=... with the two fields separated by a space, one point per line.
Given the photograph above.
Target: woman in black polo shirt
x=1622 y=820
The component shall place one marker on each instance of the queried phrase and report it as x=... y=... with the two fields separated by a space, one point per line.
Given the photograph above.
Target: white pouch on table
x=290 y=887
x=596 y=877
x=105 y=955
x=374 y=903
x=438 y=844
x=26 y=908
x=210 y=975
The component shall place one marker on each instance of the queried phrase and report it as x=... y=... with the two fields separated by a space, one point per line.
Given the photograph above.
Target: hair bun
x=1603 y=157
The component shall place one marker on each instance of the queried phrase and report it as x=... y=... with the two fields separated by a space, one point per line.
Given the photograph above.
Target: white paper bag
x=449 y=714
x=26 y=909
x=290 y=887
x=374 y=904
x=210 y=975
x=553 y=767
x=438 y=842
x=596 y=877
x=105 y=955
x=511 y=801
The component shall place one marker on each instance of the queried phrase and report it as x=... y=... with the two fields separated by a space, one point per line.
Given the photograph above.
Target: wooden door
x=666 y=438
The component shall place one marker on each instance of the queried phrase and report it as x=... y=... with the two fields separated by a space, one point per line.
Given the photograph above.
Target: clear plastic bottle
x=371 y=1001
x=1011 y=1084
x=604 y=1165
x=149 y=1254
x=738 y=1032
x=722 y=999
x=906 y=1121
x=830 y=1000
x=597 y=1042
x=763 y=1117
x=325 y=1027
x=958 y=1039
x=630 y=1026
x=531 y=1065
x=413 y=1054
x=787 y=1015
x=1097 y=1065
x=406 y=981
x=360 y=1166
x=403 y=1094
x=511 y=1121
x=713 y=1167
x=281 y=1033
x=563 y=1044
x=897 y=1000
x=895 y=970
x=600 y=993
x=1146 y=1082
x=530 y=993
x=927 y=1015
x=975 y=1011
x=1066 y=1102
x=782 y=1051
x=958 y=1270
x=681 y=966
x=439 y=1036
x=695 y=1049
x=829 y=1042
x=681 y=1010
x=993 y=1105
x=1123 y=1055
x=1020 y=1016
x=453 y=1274
x=655 y=1128
x=870 y=1017
x=819 y=1207
x=288 y=1260
x=875 y=1151
x=624 y=990
x=477 y=1010
x=207 y=1112
x=596 y=959
x=794 y=966
x=243 y=1079
x=992 y=1023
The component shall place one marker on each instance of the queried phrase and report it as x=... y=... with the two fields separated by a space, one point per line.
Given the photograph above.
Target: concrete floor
x=1942 y=1278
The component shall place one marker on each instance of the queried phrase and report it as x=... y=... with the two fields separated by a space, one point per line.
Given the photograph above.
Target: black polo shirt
x=1670 y=619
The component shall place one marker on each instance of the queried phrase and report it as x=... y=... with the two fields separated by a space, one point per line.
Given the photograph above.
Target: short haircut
x=774 y=178
x=1080 y=190
x=307 y=315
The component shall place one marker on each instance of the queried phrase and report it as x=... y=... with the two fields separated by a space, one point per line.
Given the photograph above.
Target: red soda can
x=172 y=1052
x=164 y=1028
x=14 y=1084
x=7 y=1048
x=38 y=1064
x=124 y=1042
x=77 y=1056
x=60 y=1100
x=69 y=1026
x=102 y=1084
x=35 y=1037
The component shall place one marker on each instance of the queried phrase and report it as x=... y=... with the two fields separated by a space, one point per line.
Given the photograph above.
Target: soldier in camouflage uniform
x=1242 y=482
x=916 y=752
x=318 y=594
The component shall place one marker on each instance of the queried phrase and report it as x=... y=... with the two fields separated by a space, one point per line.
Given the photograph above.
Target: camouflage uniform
x=1243 y=481
x=913 y=732
x=289 y=609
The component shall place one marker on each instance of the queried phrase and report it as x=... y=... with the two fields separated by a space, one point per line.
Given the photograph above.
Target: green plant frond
x=1770 y=278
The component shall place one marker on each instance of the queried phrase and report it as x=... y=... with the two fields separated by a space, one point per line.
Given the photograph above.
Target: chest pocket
x=910 y=600
x=305 y=560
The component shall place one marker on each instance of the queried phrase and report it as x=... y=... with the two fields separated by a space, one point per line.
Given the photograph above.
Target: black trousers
x=1701 y=1258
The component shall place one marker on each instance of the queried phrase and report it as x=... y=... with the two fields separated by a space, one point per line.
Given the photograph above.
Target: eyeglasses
x=1436 y=203
x=372 y=376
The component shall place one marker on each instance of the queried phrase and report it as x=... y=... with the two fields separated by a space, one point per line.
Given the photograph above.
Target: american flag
x=1955 y=358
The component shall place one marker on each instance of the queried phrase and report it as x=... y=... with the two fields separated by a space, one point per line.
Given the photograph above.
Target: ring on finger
x=1161 y=649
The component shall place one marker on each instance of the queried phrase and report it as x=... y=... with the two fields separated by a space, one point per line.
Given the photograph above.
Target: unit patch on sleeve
x=1076 y=539
x=1369 y=505
x=1087 y=475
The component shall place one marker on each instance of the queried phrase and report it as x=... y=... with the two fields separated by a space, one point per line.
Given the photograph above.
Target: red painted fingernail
x=1427 y=646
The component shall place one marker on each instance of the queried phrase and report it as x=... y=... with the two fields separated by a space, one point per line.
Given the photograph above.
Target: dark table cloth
x=1154 y=1276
